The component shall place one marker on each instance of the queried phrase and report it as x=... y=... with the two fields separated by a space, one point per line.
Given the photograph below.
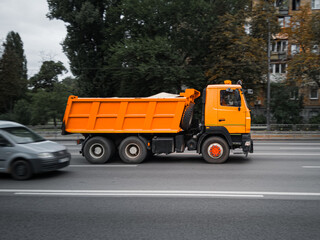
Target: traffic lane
x=178 y=172
x=157 y=218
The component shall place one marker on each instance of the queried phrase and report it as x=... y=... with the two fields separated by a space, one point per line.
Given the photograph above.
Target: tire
x=21 y=170
x=133 y=150
x=98 y=150
x=187 y=117
x=215 y=150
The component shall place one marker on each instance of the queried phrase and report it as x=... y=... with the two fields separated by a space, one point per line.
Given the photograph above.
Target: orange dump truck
x=140 y=127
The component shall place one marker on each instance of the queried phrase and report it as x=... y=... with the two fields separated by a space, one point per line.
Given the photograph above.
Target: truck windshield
x=22 y=135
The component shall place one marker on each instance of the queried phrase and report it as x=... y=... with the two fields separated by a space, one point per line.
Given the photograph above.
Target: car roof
x=6 y=124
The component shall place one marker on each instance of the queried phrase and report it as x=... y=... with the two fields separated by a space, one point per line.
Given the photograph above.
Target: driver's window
x=228 y=98
x=3 y=142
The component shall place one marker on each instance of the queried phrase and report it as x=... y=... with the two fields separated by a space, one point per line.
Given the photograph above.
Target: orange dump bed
x=126 y=115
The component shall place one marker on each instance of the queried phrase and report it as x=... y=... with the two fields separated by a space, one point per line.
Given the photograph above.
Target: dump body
x=126 y=115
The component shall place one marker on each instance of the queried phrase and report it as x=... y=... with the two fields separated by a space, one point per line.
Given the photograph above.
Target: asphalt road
x=272 y=194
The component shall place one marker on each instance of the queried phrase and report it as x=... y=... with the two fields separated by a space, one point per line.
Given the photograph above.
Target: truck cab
x=226 y=122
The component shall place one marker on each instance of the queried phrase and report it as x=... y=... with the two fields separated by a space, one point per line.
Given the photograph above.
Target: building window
x=314 y=93
x=295 y=5
x=295 y=49
x=284 y=21
x=315 y=49
x=294 y=94
x=278 y=68
x=315 y=4
x=313 y=114
x=279 y=46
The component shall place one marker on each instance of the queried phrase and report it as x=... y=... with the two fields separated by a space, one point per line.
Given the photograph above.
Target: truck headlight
x=45 y=155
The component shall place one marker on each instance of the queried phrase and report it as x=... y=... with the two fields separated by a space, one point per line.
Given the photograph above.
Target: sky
x=41 y=37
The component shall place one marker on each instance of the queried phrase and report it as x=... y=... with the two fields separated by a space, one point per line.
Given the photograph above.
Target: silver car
x=24 y=153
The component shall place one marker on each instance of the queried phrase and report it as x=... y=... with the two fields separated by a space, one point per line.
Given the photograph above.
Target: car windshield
x=23 y=135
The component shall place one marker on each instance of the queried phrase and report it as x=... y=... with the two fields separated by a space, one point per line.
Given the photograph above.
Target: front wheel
x=21 y=170
x=215 y=150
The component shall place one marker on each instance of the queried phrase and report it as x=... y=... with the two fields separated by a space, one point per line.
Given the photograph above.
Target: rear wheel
x=215 y=150
x=98 y=150
x=21 y=170
x=133 y=150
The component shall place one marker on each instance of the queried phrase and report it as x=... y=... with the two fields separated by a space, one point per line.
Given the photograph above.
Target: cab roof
x=224 y=86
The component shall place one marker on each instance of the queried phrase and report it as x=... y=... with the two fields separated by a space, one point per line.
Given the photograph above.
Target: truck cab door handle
x=221 y=120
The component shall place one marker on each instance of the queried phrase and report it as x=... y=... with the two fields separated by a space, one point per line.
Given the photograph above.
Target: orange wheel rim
x=215 y=150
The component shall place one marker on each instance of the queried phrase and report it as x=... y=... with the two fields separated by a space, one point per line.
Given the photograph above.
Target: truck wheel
x=187 y=117
x=98 y=150
x=21 y=170
x=133 y=150
x=215 y=150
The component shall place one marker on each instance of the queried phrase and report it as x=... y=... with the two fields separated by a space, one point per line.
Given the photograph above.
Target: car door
x=5 y=151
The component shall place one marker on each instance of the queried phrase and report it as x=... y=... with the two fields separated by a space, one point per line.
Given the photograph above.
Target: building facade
x=283 y=49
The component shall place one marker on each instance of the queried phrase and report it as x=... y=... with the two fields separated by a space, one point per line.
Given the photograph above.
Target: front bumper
x=247 y=143
x=51 y=164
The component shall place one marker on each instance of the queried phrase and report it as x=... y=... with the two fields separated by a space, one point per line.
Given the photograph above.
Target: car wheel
x=215 y=150
x=21 y=170
x=98 y=150
x=133 y=150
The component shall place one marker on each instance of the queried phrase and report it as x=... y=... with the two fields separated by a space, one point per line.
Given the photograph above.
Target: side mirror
x=238 y=97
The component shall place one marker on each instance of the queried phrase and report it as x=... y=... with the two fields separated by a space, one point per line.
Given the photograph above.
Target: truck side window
x=228 y=98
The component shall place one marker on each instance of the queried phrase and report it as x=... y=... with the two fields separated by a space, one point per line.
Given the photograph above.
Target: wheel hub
x=132 y=150
x=215 y=150
x=96 y=151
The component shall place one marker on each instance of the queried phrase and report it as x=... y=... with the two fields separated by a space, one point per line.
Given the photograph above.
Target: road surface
x=272 y=194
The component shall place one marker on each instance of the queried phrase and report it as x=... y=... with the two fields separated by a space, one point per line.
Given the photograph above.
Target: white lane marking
x=284 y=154
x=104 y=166
x=157 y=193
x=299 y=148
x=285 y=143
x=310 y=166
x=144 y=195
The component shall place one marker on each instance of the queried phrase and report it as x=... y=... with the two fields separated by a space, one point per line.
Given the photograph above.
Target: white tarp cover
x=164 y=95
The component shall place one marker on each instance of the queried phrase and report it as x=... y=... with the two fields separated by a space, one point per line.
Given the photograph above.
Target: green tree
x=102 y=35
x=304 y=31
x=47 y=76
x=236 y=55
x=49 y=95
x=49 y=105
x=13 y=72
x=285 y=106
x=238 y=46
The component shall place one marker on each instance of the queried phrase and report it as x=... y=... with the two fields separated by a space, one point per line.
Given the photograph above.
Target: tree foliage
x=149 y=42
x=285 y=107
x=47 y=99
x=13 y=72
x=304 y=31
x=47 y=76
x=238 y=52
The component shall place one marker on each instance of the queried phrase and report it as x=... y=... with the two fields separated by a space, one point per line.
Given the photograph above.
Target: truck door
x=231 y=110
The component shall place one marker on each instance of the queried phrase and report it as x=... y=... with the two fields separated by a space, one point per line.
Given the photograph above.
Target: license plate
x=62 y=160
